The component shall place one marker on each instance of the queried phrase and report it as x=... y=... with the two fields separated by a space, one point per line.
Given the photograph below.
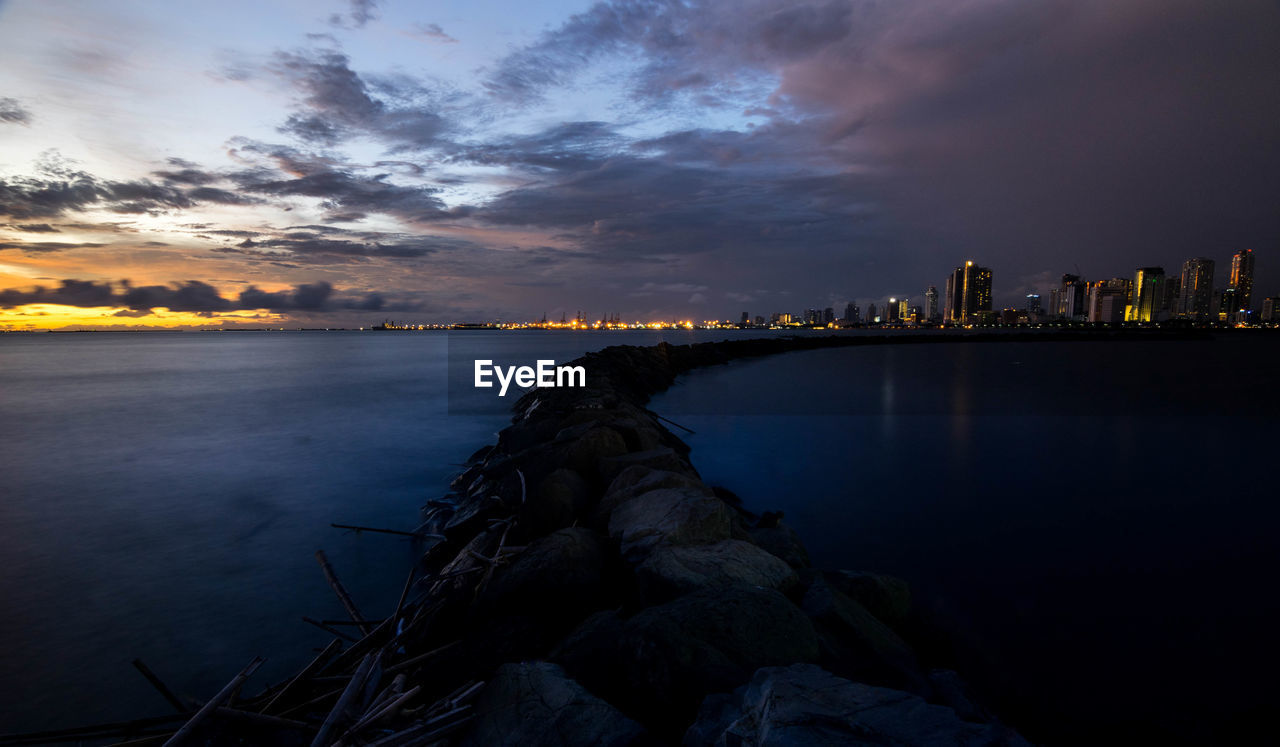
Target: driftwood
x=223 y=695
x=399 y=532
x=307 y=672
x=341 y=591
x=329 y=628
x=415 y=661
x=159 y=685
x=345 y=700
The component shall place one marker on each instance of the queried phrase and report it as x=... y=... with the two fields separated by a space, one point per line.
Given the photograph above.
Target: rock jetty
x=580 y=584
x=605 y=594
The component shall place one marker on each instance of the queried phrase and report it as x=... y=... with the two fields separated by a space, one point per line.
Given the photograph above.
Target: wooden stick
x=304 y=675
x=329 y=629
x=223 y=695
x=672 y=422
x=383 y=711
x=159 y=685
x=424 y=733
x=352 y=622
x=402 y=666
x=344 y=701
x=374 y=529
x=94 y=731
x=341 y=591
x=235 y=714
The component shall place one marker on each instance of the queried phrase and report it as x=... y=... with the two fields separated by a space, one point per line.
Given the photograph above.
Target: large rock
x=782 y=541
x=660 y=664
x=886 y=597
x=637 y=479
x=856 y=644
x=662 y=457
x=805 y=705
x=559 y=499
x=566 y=570
x=677 y=516
x=585 y=454
x=534 y=704
x=672 y=570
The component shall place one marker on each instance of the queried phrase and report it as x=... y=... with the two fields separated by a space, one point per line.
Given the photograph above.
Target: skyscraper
x=1242 y=280
x=891 y=311
x=851 y=312
x=1033 y=307
x=1196 y=296
x=1107 y=300
x=952 y=311
x=1148 y=294
x=1071 y=299
x=931 y=304
x=976 y=297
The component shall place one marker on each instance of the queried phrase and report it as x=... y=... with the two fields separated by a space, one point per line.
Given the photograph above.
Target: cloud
x=359 y=13
x=193 y=296
x=35 y=228
x=12 y=112
x=337 y=103
x=41 y=247
x=432 y=32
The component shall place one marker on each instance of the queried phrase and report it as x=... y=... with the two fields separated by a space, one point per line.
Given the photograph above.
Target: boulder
x=637 y=479
x=886 y=597
x=559 y=499
x=805 y=705
x=677 y=516
x=672 y=570
x=661 y=663
x=534 y=704
x=585 y=454
x=856 y=644
x=662 y=457
x=567 y=570
x=783 y=542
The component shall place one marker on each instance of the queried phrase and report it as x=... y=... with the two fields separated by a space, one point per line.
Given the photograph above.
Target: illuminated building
x=1241 y=281
x=1107 y=300
x=1033 y=307
x=931 y=304
x=892 y=311
x=1195 y=298
x=1071 y=298
x=952 y=312
x=976 y=295
x=828 y=315
x=1271 y=309
x=1148 y=294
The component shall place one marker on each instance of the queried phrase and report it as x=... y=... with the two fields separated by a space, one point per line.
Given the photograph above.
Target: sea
x=1091 y=523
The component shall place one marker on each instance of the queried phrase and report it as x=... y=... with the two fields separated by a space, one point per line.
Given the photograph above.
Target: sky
x=341 y=162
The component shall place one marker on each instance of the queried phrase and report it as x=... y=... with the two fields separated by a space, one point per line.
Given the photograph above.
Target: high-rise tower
x=1196 y=294
x=1242 y=280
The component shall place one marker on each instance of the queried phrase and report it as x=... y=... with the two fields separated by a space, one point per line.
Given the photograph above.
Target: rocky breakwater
x=605 y=594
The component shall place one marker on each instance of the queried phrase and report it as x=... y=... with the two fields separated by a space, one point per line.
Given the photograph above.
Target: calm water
x=162 y=496
x=1103 y=543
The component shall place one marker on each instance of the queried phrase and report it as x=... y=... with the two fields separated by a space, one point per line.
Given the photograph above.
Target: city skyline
x=341 y=162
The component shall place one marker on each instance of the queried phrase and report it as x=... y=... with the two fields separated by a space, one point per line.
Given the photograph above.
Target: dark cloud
x=338 y=102
x=12 y=112
x=40 y=247
x=83 y=293
x=43 y=197
x=192 y=296
x=35 y=228
x=360 y=13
